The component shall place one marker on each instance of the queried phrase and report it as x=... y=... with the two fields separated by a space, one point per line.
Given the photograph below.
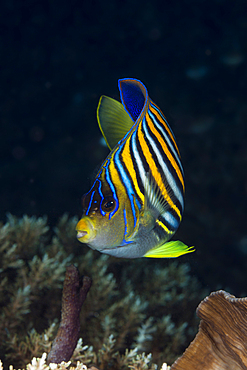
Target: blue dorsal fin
x=134 y=96
x=114 y=122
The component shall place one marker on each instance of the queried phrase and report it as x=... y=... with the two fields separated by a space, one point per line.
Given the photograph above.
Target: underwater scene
x=123 y=175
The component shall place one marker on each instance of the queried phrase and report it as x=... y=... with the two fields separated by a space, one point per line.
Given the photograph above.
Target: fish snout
x=85 y=230
x=80 y=234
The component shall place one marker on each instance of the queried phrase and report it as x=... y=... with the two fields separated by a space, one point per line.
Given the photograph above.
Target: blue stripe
x=124 y=242
x=91 y=199
x=90 y=203
x=110 y=183
x=102 y=197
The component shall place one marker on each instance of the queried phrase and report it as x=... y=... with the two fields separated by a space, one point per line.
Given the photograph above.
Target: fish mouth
x=81 y=234
x=85 y=230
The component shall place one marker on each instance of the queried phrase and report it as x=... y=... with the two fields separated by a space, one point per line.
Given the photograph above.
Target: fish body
x=136 y=202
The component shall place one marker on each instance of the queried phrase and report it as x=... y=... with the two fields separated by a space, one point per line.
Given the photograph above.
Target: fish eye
x=108 y=204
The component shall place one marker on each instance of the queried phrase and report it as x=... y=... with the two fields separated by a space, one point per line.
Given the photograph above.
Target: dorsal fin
x=134 y=96
x=114 y=122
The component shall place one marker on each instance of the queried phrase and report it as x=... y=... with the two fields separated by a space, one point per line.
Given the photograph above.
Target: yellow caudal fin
x=169 y=250
x=114 y=122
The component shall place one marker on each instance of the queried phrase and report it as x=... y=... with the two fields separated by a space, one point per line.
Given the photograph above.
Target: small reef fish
x=136 y=202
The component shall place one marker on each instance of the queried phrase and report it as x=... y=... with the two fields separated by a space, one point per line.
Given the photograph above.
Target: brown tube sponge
x=75 y=290
x=221 y=343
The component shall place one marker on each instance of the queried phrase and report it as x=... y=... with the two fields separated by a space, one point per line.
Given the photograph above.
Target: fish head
x=102 y=224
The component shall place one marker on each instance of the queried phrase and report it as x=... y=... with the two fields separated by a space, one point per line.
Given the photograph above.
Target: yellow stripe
x=155 y=172
x=164 y=227
x=165 y=149
x=161 y=120
x=115 y=176
x=129 y=164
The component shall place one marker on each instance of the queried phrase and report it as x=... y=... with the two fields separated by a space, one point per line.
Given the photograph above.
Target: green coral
x=133 y=306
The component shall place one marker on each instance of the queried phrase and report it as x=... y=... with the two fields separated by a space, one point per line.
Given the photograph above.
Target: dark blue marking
x=132 y=97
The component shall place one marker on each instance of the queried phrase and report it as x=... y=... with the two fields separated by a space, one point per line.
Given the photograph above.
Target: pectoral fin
x=156 y=200
x=114 y=122
x=170 y=249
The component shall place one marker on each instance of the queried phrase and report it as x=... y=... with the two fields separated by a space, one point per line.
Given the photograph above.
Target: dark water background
x=58 y=57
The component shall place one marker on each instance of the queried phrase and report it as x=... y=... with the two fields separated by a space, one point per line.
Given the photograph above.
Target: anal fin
x=170 y=249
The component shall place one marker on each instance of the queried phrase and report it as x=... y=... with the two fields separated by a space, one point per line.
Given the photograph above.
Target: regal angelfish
x=136 y=202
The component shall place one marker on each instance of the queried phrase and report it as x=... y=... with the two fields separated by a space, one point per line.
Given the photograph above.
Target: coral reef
x=132 y=307
x=219 y=344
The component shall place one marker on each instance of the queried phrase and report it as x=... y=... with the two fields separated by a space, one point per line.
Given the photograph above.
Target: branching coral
x=131 y=360
x=144 y=305
x=30 y=285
